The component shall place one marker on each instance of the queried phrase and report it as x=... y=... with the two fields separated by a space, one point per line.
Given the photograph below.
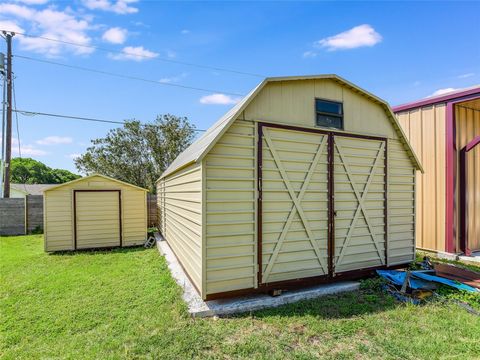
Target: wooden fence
x=152 y=210
x=20 y=216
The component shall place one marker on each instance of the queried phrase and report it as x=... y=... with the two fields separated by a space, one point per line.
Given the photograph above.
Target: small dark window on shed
x=329 y=113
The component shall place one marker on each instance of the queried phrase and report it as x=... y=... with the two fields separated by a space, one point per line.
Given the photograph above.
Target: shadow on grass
x=99 y=251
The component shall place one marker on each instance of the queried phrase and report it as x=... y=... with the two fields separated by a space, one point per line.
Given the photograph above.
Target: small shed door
x=359 y=203
x=293 y=178
x=97 y=218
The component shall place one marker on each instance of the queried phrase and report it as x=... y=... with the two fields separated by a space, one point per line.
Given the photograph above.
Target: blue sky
x=400 y=51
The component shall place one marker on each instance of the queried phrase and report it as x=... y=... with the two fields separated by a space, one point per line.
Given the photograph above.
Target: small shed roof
x=198 y=149
x=32 y=189
x=95 y=175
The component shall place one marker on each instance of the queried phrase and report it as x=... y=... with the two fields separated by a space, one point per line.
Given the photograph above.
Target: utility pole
x=4 y=108
x=8 y=141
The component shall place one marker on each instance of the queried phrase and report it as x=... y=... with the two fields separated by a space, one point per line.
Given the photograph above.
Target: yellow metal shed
x=306 y=180
x=94 y=212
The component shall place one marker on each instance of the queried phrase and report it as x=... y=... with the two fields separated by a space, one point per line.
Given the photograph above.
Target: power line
x=35 y=113
x=143 y=56
x=126 y=76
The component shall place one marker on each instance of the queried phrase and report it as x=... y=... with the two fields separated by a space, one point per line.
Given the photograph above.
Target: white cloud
x=29 y=150
x=73 y=156
x=119 y=7
x=358 y=36
x=467 y=75
x=20 y=11
x=136 y=53
x=115 y=35
x=51 y=23
x=219 y=99
x=171 y=54
x=10 y=26
x=33 y=2
x=185 y=32
x=309 y=54
x=443 y=91
x=55 y=140
x=174 y=79
x=26 y=149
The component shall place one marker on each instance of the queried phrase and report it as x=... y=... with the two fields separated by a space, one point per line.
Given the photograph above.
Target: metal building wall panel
x=231 y=210
x=425 y=128
x=181 y=213
x=467 y=118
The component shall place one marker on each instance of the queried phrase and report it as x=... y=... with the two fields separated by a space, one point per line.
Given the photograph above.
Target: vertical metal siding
x=467 y=127
x=293 y=103
x=425 y=129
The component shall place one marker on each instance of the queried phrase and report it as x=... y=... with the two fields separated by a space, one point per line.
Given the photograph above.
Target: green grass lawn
x=124 y=304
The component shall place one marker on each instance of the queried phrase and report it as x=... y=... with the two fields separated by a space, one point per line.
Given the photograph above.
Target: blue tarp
x=398 y=278
x=421 y=280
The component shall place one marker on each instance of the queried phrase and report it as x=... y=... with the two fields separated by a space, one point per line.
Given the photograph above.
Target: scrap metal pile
x=415 y=286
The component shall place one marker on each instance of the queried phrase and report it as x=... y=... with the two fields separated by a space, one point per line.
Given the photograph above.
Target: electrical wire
x=73 y=117
x=216 y=68
x=158 y=82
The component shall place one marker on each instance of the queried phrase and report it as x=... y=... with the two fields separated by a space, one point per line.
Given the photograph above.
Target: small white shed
x=94 y=212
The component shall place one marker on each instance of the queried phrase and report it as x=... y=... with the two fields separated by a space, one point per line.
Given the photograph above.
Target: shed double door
x=321 y=203
x=97 y=218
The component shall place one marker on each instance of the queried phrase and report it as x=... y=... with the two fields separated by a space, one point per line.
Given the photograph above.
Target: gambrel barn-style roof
x=198 y=149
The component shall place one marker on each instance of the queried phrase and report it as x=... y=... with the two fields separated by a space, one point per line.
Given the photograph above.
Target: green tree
x=30 y=171
x=138 y=153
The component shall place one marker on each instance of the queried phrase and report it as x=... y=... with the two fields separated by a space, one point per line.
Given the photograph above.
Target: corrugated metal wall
x=58 y=213
x=180 y=204
x=231 y=254
x=467 y=128
x=425 y=128
x=401 y=205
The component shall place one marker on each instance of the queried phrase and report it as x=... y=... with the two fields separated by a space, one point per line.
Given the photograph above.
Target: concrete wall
x=34 y=212
x=12 y=216
x=19 y=216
